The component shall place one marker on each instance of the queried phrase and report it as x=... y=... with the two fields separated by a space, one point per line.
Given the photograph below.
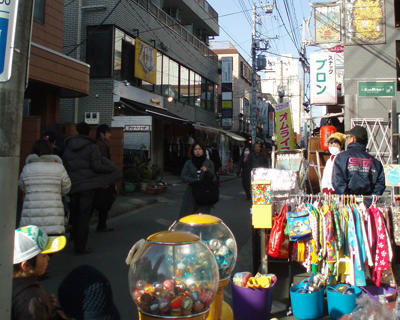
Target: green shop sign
x=377 y=89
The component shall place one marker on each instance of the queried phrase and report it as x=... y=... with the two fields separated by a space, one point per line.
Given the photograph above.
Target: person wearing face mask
x=245 y=169
x=197 y=168
x=336 y=143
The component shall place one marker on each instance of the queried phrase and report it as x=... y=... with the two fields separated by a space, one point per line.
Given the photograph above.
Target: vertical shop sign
x=323 y=78
x=271 y=124
x=327 y=23
x=227 y=96
x=284 y=128
x=8 y=21
x=145 y=62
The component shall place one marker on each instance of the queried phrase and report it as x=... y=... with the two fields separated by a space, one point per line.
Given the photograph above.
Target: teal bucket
x=306 y=305
x=340 y=304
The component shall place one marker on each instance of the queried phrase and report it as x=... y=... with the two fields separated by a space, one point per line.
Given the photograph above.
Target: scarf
x=198 y=161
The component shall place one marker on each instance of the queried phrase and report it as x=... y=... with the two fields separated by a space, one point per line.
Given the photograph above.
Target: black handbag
x=205 y=192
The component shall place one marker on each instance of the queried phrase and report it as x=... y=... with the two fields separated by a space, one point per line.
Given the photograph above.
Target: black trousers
x=246 y=186
x=103 y=200
x=81 y=208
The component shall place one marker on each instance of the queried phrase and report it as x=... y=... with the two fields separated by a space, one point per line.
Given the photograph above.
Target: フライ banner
x=284 y=129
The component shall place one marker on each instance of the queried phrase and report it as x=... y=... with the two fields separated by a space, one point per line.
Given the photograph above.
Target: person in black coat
x=245 y=169
x=257 y=159
x=216 y=159
x=104 y=197
x=88 y=171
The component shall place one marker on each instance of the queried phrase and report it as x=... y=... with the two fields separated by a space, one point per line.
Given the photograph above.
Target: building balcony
x=187 y=20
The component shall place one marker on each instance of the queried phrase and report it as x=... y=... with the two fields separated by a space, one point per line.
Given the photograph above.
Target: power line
x=71 y=2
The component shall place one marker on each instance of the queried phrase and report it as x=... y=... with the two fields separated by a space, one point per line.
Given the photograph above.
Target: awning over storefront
x=157 y=113
x=227 y=133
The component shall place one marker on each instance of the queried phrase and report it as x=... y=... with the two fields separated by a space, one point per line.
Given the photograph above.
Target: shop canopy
x=157 y=113
x=227 y=133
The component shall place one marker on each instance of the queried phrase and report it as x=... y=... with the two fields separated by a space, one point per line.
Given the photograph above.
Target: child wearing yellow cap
x=31 y=249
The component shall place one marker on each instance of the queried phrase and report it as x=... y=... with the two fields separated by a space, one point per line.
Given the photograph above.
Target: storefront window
x=99 y=51
x=174 y=78
x=147 y=86
x=119 y=37
x=165 y=80
x=157 y=88
x=197 y=90
x=203 y=93
x=128 y=62
x=210 y=96
x=184 y=97
x=192 y=86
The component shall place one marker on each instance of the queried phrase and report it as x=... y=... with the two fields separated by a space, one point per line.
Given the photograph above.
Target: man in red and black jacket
x=355 y=171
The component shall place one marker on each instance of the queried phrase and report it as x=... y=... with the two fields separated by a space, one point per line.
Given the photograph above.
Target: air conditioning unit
x=92 y=117
x=175 y=13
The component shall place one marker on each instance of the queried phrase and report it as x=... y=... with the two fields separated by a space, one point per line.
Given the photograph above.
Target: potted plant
x=131 y=179
x=153 y=190
x=163 y=186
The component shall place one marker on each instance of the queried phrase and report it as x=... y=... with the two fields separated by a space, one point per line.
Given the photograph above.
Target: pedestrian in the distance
x=355 y=171
x=197 y=168
x=44 y=181
x=257 y=159
x=88 y=171
x=245 y=170
x=216 y=159
x=105 y=196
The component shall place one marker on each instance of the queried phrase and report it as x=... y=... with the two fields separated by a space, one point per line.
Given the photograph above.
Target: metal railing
x=179 y=29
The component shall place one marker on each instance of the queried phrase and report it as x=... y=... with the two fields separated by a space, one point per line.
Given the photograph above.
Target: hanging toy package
x=368 y=308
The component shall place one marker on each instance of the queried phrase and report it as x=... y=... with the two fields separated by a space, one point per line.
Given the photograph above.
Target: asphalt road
x=110 y=249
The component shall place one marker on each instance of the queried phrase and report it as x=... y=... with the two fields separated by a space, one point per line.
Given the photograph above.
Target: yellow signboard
x=226 y=104
x=145 y=62
x=284 y=128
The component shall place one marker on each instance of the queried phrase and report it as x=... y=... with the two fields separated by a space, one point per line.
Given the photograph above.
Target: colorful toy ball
x=141 y=284
x=186 y=312
x=158 y=287
x=168 y=285
x=176 y=312
x=168 y=295
x=176 y=303
x=186 y=303
x=137 y=293
x=154 y=308
x=195 y=295
x=206 y=297
x=149 y=288
x=164 y=306
x=145 y=299
x=198 y=307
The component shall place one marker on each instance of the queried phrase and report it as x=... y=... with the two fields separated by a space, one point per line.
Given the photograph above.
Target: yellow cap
x=200 y=219
x=173 y=237
x=338 y=136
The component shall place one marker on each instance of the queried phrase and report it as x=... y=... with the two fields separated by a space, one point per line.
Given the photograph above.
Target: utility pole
x=253 y=80
x=11 y=103
x=303 y=85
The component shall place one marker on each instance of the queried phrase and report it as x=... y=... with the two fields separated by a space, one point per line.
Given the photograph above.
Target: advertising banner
x=327 y=23
x=284 y=129
x=323 y=78
x=145 y=62
x=227 y=95
x=226 y=69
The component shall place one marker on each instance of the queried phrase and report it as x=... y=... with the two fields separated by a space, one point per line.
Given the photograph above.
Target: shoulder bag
x=205 y=192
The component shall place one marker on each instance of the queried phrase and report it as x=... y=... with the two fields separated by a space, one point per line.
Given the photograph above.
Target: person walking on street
x=88 y=171
x=104 y=197
x=336 y=143
x=257 y=159
x=44 y=182
x=245 y=170
x=215 y=158
x=355 y=171
x=197 y=168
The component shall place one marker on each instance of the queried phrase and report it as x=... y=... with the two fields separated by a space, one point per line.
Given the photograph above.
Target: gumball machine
x=173 y=275
x=221 y=241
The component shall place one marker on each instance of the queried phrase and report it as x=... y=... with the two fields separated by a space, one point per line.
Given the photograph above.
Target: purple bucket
x=374 y=292
x=252 y=304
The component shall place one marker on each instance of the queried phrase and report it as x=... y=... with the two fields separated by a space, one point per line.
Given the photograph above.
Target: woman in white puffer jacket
x=44 y=181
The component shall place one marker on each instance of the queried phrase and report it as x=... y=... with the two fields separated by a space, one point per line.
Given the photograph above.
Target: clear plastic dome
x=216 y=235
x=174 y=274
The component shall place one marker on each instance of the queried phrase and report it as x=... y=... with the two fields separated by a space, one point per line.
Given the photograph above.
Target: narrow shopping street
x=110 y=249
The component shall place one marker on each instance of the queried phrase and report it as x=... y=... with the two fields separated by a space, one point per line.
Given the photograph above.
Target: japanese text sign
x=145 y=62
x=284 y=129
x=323 y=78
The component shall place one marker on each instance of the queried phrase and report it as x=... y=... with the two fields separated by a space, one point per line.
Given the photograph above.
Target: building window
x=157 y=88
x=192 y=90
x=197 y=89
x=184 y=97
x=210 y=96
x=99 y=51
x=119 y=37
x=397 y=13
x=203 y=103
x=38 y=11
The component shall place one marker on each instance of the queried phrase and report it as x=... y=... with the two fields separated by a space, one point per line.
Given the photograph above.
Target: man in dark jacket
x=257 y=159
x=355 y=171
x=88 y=170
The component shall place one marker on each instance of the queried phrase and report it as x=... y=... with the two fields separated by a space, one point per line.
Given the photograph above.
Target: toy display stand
x=211 y=229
